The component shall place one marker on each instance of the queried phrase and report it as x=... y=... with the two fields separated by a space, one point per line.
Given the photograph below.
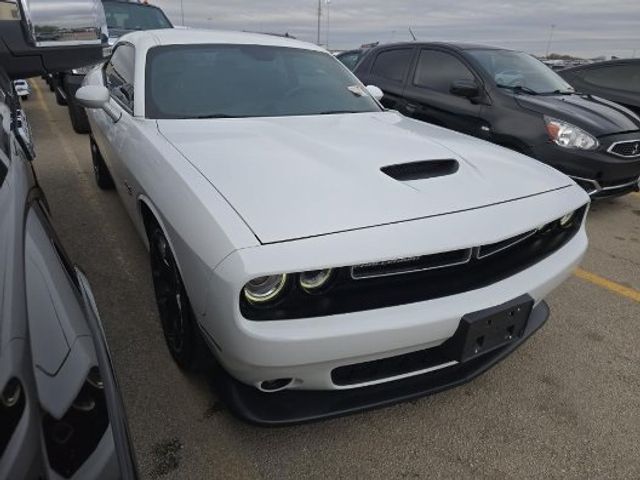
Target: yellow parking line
x=614 y=287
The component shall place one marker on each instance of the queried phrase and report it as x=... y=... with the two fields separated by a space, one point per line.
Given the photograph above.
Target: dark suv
x=615 y=80
x=512 y=99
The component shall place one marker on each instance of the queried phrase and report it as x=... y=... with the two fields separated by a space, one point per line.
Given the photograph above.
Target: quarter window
x=437 y=70
x=392 y=64
x=619 y=77
x=119 y=73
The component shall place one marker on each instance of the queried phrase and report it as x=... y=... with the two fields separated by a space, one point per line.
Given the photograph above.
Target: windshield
x=197 y=81
x=123 y=17
x=520 y=71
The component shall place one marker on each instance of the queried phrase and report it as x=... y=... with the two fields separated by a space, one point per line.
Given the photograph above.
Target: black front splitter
x=300 y=406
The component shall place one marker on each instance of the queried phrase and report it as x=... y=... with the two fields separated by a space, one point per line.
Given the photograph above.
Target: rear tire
x=100 y=170
x=25 y=98
x=79 y=119
x=60 y=100
x=181 y=333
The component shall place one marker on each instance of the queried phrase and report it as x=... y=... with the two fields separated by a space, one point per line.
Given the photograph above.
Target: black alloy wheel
x=176 y=315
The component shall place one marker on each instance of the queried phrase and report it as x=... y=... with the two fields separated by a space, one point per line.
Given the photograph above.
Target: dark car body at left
x=511 y=99
x=122 y=17
x=615 y=80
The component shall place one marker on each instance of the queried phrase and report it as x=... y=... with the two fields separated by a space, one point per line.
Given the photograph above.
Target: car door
x=428 y=92
x=388 y=71
x=118 y=74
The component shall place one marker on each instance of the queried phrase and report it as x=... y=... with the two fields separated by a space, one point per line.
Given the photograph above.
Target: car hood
x=593 y=114
x=297 y=177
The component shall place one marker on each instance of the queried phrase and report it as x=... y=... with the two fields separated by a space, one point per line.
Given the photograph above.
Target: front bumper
x=600 y=173
x=291 y=406
x=310 y=350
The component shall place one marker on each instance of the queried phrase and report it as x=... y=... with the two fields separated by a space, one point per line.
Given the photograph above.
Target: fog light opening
x=271 y=386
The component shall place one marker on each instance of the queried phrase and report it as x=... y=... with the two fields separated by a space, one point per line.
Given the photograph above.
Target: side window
x=392 y=64
x=619 y=77
x=437 y=70
x=119 y=72
x=350 y=59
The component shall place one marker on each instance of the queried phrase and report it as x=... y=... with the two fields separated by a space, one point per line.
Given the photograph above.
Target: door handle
x=411 y=108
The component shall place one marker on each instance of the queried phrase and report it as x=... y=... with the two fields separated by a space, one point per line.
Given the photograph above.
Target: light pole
x=328 y=3
x=319 y=15
x=550 y=38
x=182 y=11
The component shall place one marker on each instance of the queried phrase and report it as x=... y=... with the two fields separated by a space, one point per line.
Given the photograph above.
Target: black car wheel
x=100 y=170
x=176 y=315
x=78 y=116
x=60 y=100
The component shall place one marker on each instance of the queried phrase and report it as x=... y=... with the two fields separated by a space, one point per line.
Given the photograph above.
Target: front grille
x=390 y=367
x=626 y=149
x=410 y=265
x=488 y=264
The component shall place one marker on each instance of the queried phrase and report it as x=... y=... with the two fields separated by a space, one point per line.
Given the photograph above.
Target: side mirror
x=46 y=36
x=375 y=92
x=51 y=23
x=92 y=96
x=96 y=97
x=465 y=88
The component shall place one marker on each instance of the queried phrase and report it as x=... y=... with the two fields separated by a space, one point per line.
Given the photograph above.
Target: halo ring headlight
x=315 y=279
x=264 y=289
x=566 y=221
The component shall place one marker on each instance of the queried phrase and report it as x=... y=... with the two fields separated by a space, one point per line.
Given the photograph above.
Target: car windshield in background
x=520 y=71
x=217 y=81
x=124 y=17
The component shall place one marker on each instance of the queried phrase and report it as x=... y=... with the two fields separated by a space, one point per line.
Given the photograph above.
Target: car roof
x=170 y=36
x=452 y=45
x=604 y=63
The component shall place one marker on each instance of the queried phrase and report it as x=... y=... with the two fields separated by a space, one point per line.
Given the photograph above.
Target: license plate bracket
x=486 y=330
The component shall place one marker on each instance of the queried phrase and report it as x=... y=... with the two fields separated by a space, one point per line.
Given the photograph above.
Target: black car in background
x=122 y=17
x=615 y=80
x=512 y=99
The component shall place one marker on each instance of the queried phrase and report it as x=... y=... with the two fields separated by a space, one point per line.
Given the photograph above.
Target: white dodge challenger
x=333 y=256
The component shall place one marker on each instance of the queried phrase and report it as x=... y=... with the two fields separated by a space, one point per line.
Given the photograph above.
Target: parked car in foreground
x=122 y=16
x=332 y=255
x=22 y=89
x=61 y=415
x=512 y=99
x=615 y=80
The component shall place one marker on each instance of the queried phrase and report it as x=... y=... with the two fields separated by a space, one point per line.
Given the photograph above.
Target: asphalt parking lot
x=566 y=405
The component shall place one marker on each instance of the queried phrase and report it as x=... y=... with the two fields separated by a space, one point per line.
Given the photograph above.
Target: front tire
x=100 y=170
x=181 y=333
x=79 y=119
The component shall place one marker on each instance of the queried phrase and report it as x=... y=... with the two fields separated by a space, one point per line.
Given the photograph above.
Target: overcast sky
x=582 y=27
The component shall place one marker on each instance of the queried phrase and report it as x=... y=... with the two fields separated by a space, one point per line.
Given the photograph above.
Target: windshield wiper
x=333 y=112
x=519 y=88
x=563 y=92
x=217 y=115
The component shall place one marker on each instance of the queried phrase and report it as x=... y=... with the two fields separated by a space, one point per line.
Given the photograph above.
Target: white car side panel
x=200 y=225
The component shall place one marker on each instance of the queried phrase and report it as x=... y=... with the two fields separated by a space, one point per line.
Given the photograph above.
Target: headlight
x=569 y=136
x=265 y=289
x=565 y=222
x=315 y=279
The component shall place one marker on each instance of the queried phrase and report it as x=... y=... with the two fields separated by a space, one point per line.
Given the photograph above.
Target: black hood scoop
x=406 y=172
